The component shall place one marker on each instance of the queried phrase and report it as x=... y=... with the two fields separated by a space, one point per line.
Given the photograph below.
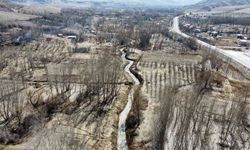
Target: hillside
x=110 y=3
x=209 y=5
x=217 y=3
x=33 y=1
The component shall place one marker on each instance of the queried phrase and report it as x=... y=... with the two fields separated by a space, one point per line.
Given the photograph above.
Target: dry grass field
x=172 y=85
x=160 y=71
x=11 y=16
x=238 y=10
x=40 y=9
x=38 y=72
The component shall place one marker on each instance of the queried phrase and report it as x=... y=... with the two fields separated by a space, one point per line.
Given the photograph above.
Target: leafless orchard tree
x=165 y=117
x=190 y=119
x=101 y=78
x=234 y=127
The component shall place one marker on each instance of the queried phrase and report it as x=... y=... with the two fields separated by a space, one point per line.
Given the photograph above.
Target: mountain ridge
x=114 y=3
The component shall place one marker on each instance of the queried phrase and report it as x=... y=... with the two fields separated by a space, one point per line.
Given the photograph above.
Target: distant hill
x=77 y=3
x=218 y=3
x=112 y=3
x=33 y=1
x=206 y=5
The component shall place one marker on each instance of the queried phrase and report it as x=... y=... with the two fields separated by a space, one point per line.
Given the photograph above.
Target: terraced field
x=183 y=112
x=32 y=57
x=160 y=70
x=21 y=66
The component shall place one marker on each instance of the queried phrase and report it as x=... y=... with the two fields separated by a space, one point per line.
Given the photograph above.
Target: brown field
x=160 y=71
x=170 y=84
x=45 y=67
x=11 y=16
x=238 y=10
x=40 y=9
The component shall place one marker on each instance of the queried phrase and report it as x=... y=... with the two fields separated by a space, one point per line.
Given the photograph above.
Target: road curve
x=121 y=137
x=239 y=57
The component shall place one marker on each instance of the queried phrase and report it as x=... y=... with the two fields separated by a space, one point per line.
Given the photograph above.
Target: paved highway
x=239 y=57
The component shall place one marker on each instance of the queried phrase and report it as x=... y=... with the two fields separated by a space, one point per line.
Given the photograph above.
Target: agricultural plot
x=32 y=57
x=185 y=111
x=46 y=83
x=11 y=16
x=39 y=9
x=21 y=65
x=160 y=70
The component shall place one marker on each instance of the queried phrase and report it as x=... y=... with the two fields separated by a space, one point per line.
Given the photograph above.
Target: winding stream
x=121 y=138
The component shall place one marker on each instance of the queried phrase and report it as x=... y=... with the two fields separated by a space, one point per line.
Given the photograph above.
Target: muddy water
x=121 y=138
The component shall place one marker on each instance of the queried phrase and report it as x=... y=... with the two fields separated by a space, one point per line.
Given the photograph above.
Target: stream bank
x=122 y=143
